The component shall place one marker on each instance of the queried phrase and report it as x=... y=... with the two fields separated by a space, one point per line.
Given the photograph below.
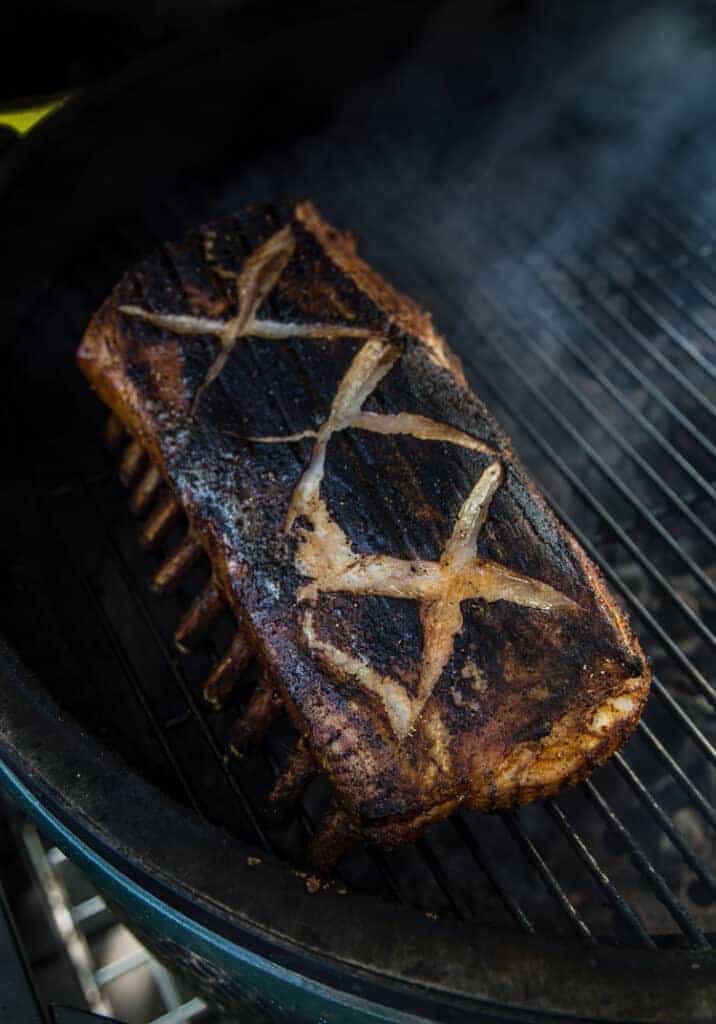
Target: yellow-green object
x=23 y=120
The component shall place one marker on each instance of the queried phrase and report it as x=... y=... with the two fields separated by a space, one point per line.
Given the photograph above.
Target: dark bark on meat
x=434 y=632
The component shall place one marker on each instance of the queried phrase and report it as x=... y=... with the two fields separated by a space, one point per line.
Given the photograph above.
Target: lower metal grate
x=116 y=974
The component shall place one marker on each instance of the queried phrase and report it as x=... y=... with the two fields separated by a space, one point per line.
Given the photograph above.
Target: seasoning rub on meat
x=436 y=635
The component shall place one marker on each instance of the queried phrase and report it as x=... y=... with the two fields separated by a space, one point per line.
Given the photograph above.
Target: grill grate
x=598 y=362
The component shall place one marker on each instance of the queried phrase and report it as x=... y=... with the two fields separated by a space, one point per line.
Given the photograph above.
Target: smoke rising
x=461 y=167
x=534 y=116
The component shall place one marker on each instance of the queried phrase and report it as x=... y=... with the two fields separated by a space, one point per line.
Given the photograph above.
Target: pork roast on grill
x=436 y=635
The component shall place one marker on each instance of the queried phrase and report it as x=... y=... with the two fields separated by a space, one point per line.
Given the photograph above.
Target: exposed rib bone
x=131 y=463
x=220 y=684
x=161 y=520
x=263 y=708
x=300 y=768
x=336 y=835
x=114 y=430
x=180 y=561
x=146 y=490
x=199 y=616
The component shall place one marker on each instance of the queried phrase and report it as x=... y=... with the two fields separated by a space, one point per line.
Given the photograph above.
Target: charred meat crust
x=529 y=700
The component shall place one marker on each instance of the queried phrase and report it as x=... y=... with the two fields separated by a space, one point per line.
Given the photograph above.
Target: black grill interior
x=585 y=314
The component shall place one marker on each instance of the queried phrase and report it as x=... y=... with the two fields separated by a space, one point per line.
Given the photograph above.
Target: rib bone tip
x=160 y=521
x=114 y=431
x=131 y=462
x=335 y=836
x=199 y=616
x=297 y=773
x=222 y=681
x=262 y=710
x=170 y=573
x=146 y=490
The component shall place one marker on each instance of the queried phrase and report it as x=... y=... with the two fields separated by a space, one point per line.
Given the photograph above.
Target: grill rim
x=471 y=967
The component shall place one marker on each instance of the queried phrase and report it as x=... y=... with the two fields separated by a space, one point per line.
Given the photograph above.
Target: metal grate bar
x=662 y=510
x=653 y=625
x=186 y=1012
x=673 y=333
x=599 y=418
x=667 y=825
x=620 y=904
x=637 y=336
x=667 y=225
x=483 y=861
x=121 y=967
x=657 y=882
x=656 y=282
x=694 y=318
x=644 y=381
x=533 y=855
x=695 y=794
x=695 y=675
x=386 y=871
x=89 y=908
x=561 y=336
x=684 y=720
x=436 y=868
x=619 y=357
x=176 y=720
x=166 y=985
